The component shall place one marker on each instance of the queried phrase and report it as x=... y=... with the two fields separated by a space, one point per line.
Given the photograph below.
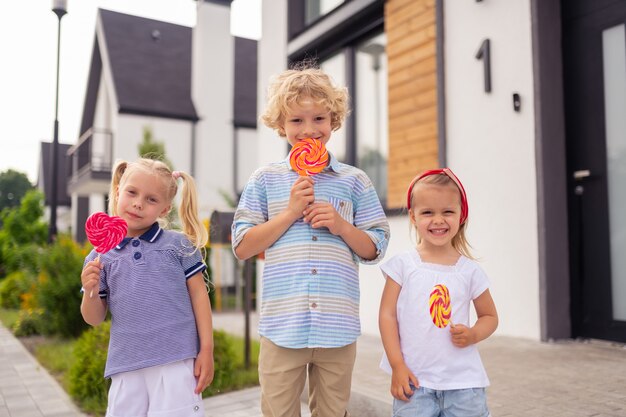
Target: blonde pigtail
x=116 y=176
x=188 y=213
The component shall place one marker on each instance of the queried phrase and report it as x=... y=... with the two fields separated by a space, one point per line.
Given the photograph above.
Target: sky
x=28 y=47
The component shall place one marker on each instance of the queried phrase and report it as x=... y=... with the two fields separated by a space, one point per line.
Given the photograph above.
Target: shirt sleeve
x=370 y=217
x=393 y=268
x=190 y=258
x=252 y=209
x=479 y=282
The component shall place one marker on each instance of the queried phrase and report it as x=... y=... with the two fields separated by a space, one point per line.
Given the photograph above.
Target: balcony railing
x=92 y=157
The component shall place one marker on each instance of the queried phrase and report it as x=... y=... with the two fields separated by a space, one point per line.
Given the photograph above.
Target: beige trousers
x=283 y=372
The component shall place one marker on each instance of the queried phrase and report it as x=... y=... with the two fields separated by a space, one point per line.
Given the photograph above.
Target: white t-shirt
x=427 y=349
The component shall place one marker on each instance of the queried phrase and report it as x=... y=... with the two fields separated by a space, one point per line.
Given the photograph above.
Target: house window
x=335 y=66
x=363 y=139
x=314 y=9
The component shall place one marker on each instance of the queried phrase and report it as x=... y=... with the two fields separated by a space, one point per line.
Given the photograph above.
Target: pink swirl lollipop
x=104 y=232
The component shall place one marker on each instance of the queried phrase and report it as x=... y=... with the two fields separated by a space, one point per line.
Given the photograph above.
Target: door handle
x=581 y=174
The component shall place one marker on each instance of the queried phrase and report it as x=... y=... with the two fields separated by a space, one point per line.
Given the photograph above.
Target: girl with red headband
x=430 y=345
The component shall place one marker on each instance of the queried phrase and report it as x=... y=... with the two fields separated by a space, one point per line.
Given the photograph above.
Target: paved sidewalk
x=528 y=378
x=26 y=389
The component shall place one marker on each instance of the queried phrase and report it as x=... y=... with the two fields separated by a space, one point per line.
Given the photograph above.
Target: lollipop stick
x=91 y=292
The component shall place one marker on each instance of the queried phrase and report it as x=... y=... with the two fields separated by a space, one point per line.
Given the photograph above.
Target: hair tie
x=454 y=178
x=176 y=174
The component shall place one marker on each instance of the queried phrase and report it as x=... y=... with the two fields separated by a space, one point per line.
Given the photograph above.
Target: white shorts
x=158 y=391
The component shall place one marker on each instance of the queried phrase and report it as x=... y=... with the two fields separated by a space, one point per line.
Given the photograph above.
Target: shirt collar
x=149 y=236
x=333 y=164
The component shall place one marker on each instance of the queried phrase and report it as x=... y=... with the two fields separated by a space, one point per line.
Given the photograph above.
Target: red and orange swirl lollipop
x=308 y=157
x=440 y=310
x=105 y=232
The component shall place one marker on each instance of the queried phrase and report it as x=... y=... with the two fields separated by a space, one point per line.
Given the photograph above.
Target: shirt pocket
x=344 y=208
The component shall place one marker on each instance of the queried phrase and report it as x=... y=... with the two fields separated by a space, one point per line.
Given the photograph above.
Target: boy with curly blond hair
x=314 y=231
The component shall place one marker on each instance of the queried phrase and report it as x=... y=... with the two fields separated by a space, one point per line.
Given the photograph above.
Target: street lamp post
x=59 y=7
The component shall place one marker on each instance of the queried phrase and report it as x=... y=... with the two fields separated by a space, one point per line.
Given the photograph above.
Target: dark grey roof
x=245 y=82
x=45 y=173
x=151 y=65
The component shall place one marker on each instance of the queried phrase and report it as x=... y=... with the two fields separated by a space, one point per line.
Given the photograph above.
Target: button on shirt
x=144 y=282
x=310 y=279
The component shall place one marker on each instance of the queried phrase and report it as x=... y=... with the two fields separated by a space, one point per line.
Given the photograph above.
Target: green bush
x=58 y=287
x=89 y=389
x=20 y=257
x=86 y=375
x=225 y=358
x=12 y=287
x=29 y=322
x=22 y=233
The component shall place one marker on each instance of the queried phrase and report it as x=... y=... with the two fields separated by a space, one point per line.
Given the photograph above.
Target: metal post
x=247 y=294
x=59 y=7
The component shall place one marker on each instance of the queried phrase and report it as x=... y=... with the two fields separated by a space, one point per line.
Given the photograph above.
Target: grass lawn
x=8 y=317
x=242 y=377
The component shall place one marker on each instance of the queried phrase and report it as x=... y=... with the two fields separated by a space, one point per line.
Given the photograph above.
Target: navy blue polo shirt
x=144 y=282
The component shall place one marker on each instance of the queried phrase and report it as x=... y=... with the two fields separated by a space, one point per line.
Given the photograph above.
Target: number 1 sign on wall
x=484 y=53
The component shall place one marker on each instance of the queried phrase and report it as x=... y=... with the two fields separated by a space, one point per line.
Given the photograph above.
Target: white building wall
x=492 y=149
x=212 y=94
x=272 y=53
x=372 y=280
x=174 y=134
x=107 y=104
x=247 y=158
x=96 y=203
x=105 y=118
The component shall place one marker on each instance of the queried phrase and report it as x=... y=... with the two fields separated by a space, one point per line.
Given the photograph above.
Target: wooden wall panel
x=410 y=27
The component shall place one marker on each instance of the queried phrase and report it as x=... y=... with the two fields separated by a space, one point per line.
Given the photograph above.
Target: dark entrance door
x=594 y=61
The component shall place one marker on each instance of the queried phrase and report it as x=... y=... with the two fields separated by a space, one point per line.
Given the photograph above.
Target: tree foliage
x=13 y=187
x=23 y=229
x=152 y=149
x=24 y=224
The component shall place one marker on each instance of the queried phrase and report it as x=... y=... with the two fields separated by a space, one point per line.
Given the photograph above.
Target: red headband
x=450 y=174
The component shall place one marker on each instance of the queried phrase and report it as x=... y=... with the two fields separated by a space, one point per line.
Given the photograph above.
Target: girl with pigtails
x=160 y=355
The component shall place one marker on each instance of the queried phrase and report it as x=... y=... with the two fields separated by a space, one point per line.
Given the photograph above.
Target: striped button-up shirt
x=310 y=292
